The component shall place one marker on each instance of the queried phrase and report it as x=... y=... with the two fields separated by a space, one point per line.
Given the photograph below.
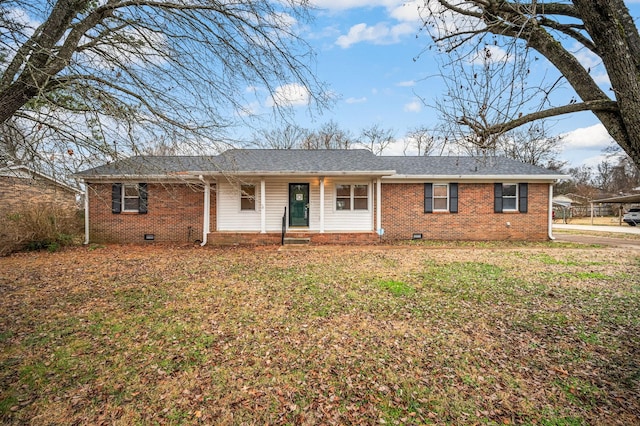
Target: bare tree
x=376 y=139
x=531 y=145
x=328 y=136
x=604 y=176
x=560 y=31
x=101 y=78
x=290 y=136
x=422 y=140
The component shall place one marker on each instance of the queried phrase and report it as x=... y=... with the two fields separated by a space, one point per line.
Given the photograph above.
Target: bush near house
x=41 y=226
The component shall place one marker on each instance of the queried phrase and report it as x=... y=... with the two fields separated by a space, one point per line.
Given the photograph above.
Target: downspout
x=206 y=214
x=86 y=213
x=550 y=218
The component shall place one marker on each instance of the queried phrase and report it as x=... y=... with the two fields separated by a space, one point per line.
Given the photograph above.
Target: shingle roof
x=274 y=161
x=462 y=166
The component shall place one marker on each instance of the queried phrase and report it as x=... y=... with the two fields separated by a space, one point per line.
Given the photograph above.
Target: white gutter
x=86 y=213
x=550 y=218
x=298 y=173
x=501 y=178
x=206 y=214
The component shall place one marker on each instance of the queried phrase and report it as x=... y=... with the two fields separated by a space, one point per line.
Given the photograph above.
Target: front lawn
x=541 y=334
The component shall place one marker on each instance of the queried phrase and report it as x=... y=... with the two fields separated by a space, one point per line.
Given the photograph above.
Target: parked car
x=632 y=217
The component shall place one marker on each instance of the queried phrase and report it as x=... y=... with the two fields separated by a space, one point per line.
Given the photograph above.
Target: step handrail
x=284 y=225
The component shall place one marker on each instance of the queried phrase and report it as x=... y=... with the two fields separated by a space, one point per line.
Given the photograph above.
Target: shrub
x=42 y=226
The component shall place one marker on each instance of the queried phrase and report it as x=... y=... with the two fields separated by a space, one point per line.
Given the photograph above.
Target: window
x=247 y=197
x=352 y=197
x=129 y=198
x=441 y=197
x=511 y=197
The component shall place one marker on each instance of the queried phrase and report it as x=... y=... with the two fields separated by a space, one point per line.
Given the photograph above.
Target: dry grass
x=492 y=334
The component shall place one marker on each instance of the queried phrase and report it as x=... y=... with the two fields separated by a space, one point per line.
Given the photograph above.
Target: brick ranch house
x=325 y=196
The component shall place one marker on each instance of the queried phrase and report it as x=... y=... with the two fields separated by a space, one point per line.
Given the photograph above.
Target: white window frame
x=126 y=197
x=509 y=197
x=352 y=197
x=245 y=196
x=434 y=197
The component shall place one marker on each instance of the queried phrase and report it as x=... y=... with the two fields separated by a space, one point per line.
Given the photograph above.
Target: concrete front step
x=296 y=240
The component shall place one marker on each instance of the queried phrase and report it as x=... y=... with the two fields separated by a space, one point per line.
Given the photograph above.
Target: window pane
x=132 y=203
x=439 y=190
x=247 y=204
x=360 y=190
x=248 y=190
x=508 y=203
x=343 y=190
x=131 y=191
x=343 y=204
x=509 y=189
x=440 y=204
x=360 y=204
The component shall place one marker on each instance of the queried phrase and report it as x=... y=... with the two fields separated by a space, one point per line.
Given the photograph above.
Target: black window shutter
x=453 y=198
x=428 y=198
x=116 y=198
x=497 y=197
x=523 y=195
x=142 y=188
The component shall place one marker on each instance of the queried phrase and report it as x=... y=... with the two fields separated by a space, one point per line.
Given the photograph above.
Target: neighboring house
x=327 y=196
x=22 y=188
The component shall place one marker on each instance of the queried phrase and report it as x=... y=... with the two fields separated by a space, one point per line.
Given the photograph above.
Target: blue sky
x=365 y=51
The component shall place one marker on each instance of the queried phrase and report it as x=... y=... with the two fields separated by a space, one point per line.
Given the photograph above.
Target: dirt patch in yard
x=503 y=333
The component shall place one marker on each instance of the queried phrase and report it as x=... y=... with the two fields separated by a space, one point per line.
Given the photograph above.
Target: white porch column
x=378 y=204
x=86 y=213
x=322 y=205
x=206 y=214
x=550 y=218
x=263 y=207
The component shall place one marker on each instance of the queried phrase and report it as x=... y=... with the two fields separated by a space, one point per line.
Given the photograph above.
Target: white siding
x=346 y=220
x=231 y=218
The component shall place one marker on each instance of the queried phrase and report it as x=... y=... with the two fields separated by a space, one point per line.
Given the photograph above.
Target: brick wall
x=19 y=194
x=403 y=214
x=175 y=214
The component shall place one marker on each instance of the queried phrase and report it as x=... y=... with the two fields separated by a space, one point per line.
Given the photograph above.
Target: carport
x=624 y=199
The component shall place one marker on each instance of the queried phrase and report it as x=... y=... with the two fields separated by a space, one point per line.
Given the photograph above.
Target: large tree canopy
x=561 y=31
x=83 y=78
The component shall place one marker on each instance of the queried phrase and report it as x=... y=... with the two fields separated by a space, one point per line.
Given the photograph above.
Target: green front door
x=298 y=204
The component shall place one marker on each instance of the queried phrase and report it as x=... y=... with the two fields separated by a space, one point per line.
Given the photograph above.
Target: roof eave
x=528 y=178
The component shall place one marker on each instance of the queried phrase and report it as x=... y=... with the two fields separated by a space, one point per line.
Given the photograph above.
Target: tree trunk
x=606 y=21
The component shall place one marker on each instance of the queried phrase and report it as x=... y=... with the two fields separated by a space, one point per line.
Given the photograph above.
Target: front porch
x=221 y=238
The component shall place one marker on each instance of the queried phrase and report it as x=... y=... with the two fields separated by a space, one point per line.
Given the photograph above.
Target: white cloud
x=587 y=138
x=356 y=100
x=408 y=83
x=380 y=33
x=414 y=106
x=338 y=5
x=492 y=54
x=289 y=95
x=407 y=12
x=593 y=63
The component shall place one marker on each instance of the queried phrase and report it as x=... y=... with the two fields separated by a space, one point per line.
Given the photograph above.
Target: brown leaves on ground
x=540 y=334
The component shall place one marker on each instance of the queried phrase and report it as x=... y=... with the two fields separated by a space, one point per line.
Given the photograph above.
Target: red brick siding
x=403 y=214
x=175 y=214
x=18 y=194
